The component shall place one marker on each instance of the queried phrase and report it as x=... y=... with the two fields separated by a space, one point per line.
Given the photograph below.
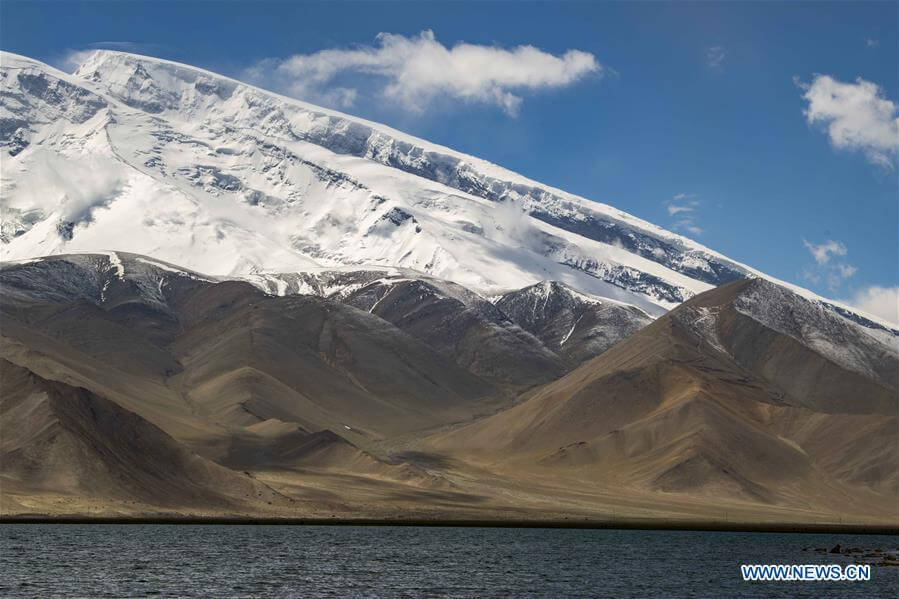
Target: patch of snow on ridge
x=177 y=271
x=704 y=322
x=568 y=335
x=115 y=263
x=21 y=262
x=814 y=324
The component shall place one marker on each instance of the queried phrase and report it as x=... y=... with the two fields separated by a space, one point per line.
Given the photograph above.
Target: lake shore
x=620 y=524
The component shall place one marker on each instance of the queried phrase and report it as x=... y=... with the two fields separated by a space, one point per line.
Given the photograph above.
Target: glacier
x=137 y=154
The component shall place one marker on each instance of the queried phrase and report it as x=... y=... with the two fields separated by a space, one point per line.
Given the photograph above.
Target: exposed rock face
x=574 y=325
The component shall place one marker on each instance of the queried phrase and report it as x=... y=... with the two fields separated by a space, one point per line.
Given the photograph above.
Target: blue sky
x=693 y=116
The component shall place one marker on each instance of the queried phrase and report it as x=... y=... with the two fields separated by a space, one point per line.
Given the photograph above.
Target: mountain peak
x=203 y=171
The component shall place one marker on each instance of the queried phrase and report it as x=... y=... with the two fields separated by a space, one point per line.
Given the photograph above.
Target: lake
x=132 y=560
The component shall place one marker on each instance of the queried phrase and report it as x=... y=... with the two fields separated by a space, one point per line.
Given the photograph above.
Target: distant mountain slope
x=457 y=322
x=575 y=325
x=62 y=440
x=746 y=392
x=226 y=354
x=148 y=156
x=463 y=326
x=516 y=339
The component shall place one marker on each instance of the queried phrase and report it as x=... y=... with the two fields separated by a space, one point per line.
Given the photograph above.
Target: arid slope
x=711 y=401
x=131 y=386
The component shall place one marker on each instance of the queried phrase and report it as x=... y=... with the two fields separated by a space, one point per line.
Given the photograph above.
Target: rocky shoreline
x=877 y=557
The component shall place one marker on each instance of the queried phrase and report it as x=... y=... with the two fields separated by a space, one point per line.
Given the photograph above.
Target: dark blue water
x=47 y=560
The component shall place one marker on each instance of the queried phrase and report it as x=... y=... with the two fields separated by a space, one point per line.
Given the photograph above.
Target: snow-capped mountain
x=574 y=325
x=153 y=157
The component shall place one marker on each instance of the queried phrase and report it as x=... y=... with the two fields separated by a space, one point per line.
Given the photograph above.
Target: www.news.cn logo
x=804 y=572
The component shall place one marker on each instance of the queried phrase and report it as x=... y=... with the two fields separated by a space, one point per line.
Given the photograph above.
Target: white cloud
x=75 y=189
x=513 y=225
x=826 y=267
x=413 y=71
x=689 y=225
x=872 y=43
x=684 y=207
x=341 y=97
x=879 y=301
x=714 y=56
x=846 y=270
x=822 y=252
x=71 y=59
x=857 y=116
x=675 y=209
